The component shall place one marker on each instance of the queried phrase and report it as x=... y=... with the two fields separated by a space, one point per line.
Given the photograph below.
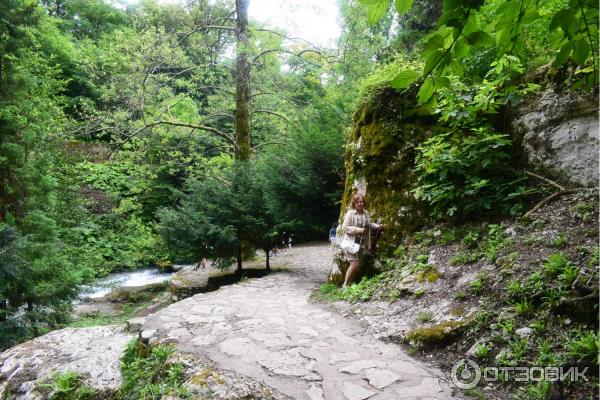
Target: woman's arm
x=349 y=229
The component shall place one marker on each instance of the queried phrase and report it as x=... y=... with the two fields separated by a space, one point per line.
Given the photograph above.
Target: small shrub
x=471 y=239
x=535 y=283
x=449 y=235
x=70 y=386
x=330 y=292
x=460 y=295
x=419 y=292
x=559 y=241
x=482 y=351
x=568 y=275
x=555 y=264
x=393 y=295
x=519 y=348
x=514 y=289
x=425 y=316
x=361 y=291
x=523 y=307
x=547 y=355
x=583 y=346
x=594 y=261
x=552 y=297
x=507 y=327
x=463 y=258
x=148 y=375
x=585 y=210
x=535 y=391
x=478 y=284
x=496 y=240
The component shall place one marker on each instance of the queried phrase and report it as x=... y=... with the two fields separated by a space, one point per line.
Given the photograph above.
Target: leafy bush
x=467 y=171
x=461 y=174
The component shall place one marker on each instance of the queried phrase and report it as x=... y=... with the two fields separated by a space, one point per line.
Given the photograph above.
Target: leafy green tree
x=459 y=35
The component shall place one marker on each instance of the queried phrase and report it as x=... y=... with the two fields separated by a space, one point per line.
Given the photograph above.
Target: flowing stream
x=114 y=281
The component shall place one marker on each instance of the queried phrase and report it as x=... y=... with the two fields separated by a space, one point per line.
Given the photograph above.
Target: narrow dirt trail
x=267 y=329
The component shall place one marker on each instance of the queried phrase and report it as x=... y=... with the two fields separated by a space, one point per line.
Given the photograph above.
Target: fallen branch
x=547 y=200
x=560 y=187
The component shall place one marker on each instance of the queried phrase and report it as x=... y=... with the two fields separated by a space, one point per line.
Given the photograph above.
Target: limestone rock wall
x=559 y=130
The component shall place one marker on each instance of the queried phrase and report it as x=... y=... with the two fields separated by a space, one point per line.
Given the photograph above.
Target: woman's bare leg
x=352 y=270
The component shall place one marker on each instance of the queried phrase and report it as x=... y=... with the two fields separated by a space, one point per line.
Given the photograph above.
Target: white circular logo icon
x=466 y=374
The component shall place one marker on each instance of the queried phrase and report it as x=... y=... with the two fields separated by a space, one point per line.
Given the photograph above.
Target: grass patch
x=69 y=385
x=361 y=291
x=148 y=374
x=425 y=316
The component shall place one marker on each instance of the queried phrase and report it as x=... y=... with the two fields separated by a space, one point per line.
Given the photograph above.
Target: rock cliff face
x=553 y=129
x=387 y=127
x=559 y=130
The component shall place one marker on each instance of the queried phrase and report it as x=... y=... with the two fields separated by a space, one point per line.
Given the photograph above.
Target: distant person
x=357 y=227
x=284 y=241
x=332 y=233
x=289 y=242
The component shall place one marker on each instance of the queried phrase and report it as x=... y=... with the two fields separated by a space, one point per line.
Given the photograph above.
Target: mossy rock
x=437 y=335
x=387 y=128
x=135 y=294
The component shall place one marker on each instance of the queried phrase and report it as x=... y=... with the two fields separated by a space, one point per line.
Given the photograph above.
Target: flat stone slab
x=92 y=352
x=354 y=392
x=381 y=378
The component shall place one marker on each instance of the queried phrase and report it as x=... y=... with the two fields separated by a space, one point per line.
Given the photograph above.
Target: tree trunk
x=239 y=260
x=242 y=84
x=3 y=309
x=268 y=265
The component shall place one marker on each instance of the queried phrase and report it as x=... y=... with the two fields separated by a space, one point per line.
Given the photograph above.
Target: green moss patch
x=440 y=334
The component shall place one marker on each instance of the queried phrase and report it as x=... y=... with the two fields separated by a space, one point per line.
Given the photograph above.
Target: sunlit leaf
x=402 y=6
x=442 y=81
x=431 y=60
x=581 y=51
x=559 y=18
x=426 y=91
x=480 y=39
x=434 y=42
x=530 y=17
x=376 y=9
x=563 y=54
x=461 y=48
x=404 y=79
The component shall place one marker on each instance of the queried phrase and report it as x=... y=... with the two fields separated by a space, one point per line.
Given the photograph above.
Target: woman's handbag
x=349 y=246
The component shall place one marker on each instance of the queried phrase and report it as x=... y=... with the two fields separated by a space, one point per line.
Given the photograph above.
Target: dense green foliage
x=466 y=29
x=116 y=123
x=469 y=170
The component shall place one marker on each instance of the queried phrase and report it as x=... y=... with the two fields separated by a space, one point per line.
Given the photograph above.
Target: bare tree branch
x=268 y=143
x=272 y=113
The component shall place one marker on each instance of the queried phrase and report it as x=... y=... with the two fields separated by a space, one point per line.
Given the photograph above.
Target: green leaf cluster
x=465 y=29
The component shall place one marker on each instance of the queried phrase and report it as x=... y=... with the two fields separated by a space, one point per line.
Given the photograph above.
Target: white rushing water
x=124 y=279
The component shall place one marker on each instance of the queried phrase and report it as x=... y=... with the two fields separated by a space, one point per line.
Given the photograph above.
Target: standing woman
x=357 y=227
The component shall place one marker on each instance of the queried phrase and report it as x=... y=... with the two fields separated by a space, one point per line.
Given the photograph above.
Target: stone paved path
x=267 y=329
